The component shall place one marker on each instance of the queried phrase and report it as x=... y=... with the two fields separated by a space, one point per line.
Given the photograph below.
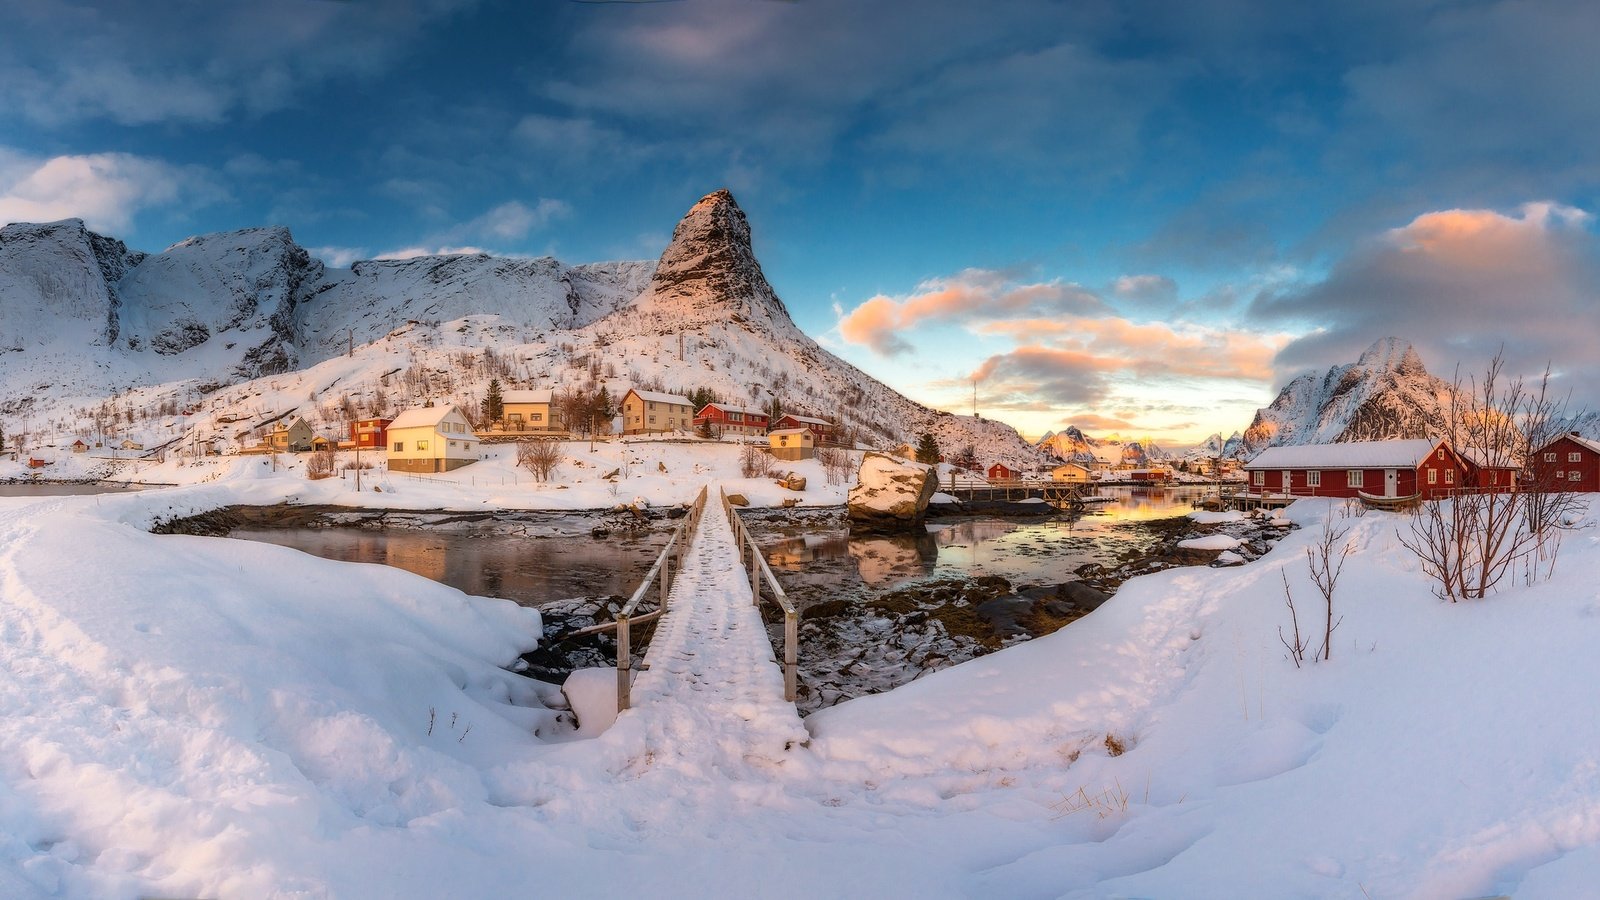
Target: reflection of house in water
x=424 y=558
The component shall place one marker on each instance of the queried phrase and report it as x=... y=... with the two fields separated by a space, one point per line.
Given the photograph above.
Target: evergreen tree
x=494 y=405
x=927 y=450
x=2 y=439
x=774 y=410
x=604 y=410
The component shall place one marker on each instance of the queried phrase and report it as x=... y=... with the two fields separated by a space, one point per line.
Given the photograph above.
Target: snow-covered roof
x=421 y=417
x=1493 y=459
x=789 y=431
x=807 y=419
x=659 y=397
x=539 y=396
x=1579 y=440
x=733 y=409
x=1405 y=454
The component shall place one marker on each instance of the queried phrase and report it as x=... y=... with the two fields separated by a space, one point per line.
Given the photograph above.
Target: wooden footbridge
x=711 y=650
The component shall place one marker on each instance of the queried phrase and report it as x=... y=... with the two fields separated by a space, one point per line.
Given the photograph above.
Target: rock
x=738 y=500
x=889 y=494
x=662 y=467
x=599 y=532
x=794 y=482
x=612 y=475
x=1083 y=596
x=791 y=502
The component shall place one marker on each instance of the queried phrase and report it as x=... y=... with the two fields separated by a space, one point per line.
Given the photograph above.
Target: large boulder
x=889 y=494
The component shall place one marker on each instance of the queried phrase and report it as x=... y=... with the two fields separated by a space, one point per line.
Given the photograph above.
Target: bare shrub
x=752 y=462
x=835 y=464
x=319 y=464
x=1325 y=563
x=542 y=458
x=1296 y=647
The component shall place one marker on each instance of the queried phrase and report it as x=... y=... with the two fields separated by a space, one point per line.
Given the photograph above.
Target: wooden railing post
x=791 y=653
x=624 y=662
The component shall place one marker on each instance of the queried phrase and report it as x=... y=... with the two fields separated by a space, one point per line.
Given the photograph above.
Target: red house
x=370 y=434
x=727 y=419
x=824 y=431
x=1376 y=468
x=1496 y=472
x=1000 y=472
x=1570 y=461
x=1150 y=476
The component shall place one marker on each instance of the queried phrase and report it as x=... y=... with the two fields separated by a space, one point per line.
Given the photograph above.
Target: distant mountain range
x=240 y=328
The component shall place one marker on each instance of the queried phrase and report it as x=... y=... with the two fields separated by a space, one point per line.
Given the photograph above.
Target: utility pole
x=974 y=398
x=351 y=349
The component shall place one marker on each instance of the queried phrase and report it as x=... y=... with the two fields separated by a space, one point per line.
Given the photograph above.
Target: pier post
x=624 y=662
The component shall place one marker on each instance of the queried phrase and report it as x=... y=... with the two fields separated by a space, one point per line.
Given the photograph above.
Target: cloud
x=414 y=252
x=970 y=296
x=514 y=220
x=106 y=190
x=139 y=64
x=1145 y=289
x=342 y=257
x=1458 y=284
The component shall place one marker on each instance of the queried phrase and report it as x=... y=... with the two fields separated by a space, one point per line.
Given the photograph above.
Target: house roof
x=1070 y=465
x=1584 y=442
x=421 y=417
x=1406 y=454
x=726 y=408
x=788 y=431
x=659 y=397
x=1493 y=459
x=806 y=419
x=542 y=395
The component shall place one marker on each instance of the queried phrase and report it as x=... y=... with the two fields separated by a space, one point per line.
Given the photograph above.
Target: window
x=399 y=446
x=422 y=445
x=535 y=417
x=1260 y=478
x=1574 y=475
x=1433 y=476
x=1574 y=456
x=1449 y=476
x=1314 y=478
x=1560 y=473
x=1441 y=453
x=454 y=444
x=1355 y=478
x=1550 y=457
x=652 y=420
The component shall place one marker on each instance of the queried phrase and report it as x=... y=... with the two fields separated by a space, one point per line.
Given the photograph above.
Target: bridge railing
x=761 y=573
x=660 y=576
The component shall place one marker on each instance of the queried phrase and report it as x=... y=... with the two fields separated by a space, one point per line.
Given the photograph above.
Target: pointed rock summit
x=1386 y=393
x=709 y=271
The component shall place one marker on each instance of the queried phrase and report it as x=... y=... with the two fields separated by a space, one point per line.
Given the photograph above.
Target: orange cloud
x=973 y=294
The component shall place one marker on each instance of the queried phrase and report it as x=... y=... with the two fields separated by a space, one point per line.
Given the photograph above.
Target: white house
x=431 y=439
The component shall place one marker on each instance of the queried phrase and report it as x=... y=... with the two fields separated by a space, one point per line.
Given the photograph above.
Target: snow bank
x=1216 y=517
x=1210 y=542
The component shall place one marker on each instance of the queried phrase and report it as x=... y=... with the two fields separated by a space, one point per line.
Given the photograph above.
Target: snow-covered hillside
x=1071 y=444
x=1387 y=393
x=223 y=333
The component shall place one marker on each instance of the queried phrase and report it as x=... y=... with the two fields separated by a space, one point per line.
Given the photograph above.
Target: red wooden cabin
x=370 y=434
x=724 y=418
x=1569 y=462
x=1378 y=468
x=822 y=430
x=1002 y=472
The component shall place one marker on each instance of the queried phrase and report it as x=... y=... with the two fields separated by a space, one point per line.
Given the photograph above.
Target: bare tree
x=752 y=462
x=320 y=464
x=1468 y=541
x=1297 y=647
x=1325 y=563
x=835 y=464
x=539 y=457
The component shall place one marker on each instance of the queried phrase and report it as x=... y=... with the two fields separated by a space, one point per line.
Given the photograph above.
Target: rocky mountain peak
x=709 y=270
x=1392 y=354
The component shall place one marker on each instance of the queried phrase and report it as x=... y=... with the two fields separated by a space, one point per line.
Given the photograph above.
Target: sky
x=1139 y=218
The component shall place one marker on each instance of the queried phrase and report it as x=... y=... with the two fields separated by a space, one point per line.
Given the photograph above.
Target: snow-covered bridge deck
x=710 y=673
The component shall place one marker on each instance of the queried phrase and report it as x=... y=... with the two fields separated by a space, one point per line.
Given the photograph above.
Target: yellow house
x=647 y=412
x=1071 y=473
x=792 y=443
x=530 y=411
x=431 y=439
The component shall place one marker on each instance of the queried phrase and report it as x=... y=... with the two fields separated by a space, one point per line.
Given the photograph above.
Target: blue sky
x=1140 y=217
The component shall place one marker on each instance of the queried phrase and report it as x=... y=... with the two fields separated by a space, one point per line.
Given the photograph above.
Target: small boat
x=1373 y=501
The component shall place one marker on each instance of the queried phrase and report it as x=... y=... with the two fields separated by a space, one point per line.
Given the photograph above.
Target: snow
x=1210 y=542
x=660 y=397
x=1398 y=454
x=201 y=717
x=1216 y=517
x=592 y=694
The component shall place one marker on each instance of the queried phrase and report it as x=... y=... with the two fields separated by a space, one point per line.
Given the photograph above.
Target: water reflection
x=828 y=561
x=489 y=563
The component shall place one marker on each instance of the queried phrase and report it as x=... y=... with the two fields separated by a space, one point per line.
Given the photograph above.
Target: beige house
x=294 y=437
x=530 y=411
x=431 y=439
x=648 y=412
x=792 y=443
x=1070 y=473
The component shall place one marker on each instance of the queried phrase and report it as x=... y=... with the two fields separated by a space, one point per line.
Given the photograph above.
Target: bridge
x=711 y=660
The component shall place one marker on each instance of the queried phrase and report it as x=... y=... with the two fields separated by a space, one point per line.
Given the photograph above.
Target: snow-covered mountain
x=1387 y=393
x=223 y=332
x=1071 y=444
